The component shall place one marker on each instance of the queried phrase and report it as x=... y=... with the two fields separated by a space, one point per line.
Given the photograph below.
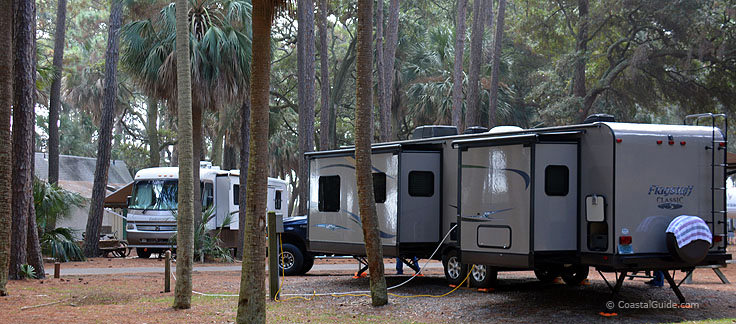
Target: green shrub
x=59 y=243
x=207 y=243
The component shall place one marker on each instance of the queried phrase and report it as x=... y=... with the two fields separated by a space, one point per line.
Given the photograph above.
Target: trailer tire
x=455 y=271
x=308 y=263
x=291 y=260
x=546 y=274
x=143 y=253
x=575 y=275
x=483 y=276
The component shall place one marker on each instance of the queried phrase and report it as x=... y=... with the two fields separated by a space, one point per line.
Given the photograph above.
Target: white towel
x=689 y=228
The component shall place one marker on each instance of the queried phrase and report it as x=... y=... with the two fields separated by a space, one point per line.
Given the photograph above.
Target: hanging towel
x=689 y=228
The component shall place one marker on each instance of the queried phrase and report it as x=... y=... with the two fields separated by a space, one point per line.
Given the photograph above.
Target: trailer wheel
x=143 y=253
x=291 y=259
x=483 y=276
x=455 y=271
x=575 y=275
x=546 y=274
x=308 y=263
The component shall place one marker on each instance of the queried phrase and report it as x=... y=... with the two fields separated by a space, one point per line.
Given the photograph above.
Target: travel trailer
x=151 y=223
x=554 y=200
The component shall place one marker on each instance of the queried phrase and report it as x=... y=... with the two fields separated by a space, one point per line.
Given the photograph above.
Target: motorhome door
x=555 y=197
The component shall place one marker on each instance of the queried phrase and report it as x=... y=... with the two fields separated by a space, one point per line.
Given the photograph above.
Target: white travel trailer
x=154 y=196
x=556 y=200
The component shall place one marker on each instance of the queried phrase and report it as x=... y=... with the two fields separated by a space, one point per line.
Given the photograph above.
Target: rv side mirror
x=128 y=200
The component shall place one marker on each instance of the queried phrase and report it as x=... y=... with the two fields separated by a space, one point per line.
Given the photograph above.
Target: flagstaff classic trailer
x=556 y=200
x=151 y=223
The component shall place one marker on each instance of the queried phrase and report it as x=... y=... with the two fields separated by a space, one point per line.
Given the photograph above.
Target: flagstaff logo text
x=670 y=197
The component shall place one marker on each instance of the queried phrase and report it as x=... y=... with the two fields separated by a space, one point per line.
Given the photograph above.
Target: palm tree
x=363 y=126
x=220 y=50
x=104 y=145
x=251 y=304
x=6 y=100
x=185 y=218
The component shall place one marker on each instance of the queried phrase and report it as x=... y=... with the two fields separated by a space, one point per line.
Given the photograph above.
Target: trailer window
x=277 y=198
x=208 y=195
x=556 y=180
x=421 y=184
x=236 y=194
x=329 y=194
x=379 y=187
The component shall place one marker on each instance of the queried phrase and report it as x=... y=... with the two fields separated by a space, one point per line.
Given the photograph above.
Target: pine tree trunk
x=229 y=155
x=581 y=48
x=34 y=257
x=244 y=159
x=196 y=158
x=324 y=88
x=381 y=71
x=363 y=124
x=389 y=58
x=94 y=219
x=187 y=153
x=305 y=49
x=6 y=100
x=473 y=114
x=219 y=137
x=154 y=148
x=251 y=301
x=24 y=70
x=457 y=74
x=340 y=78
x=55 y=96
x=496 y=62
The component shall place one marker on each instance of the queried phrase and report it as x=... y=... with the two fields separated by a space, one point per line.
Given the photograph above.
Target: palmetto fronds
x=220 y=50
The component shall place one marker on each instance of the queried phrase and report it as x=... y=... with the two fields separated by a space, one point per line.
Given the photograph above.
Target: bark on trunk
x=196 y=158
x=389 y=57
x=24 y=71
x=229 y=157
x=251 y=304
x=381 y=69
x=457 y=74
x=581 y=48
x=497 y=43
x=187 y=171
x=6 y=100
x=34 y=257
x=363 y=125
x=472 y=116
x=55 y=95
x=324 y=87
x=154 y=148
x=94 y=219
x=219 y=136
x=341 y=76
x=305 y=49
x=244 y=159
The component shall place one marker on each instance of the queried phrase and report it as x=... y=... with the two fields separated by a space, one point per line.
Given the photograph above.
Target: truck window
x=236 y=194
x=329 y=194
x=421 y=184
x=379 y=187
x=277 y=198
x=556 y=180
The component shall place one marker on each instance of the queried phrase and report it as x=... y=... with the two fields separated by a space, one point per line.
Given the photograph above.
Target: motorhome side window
x=556 y=180
x=236 y=194
x=329 y=194
x=379 y=187
x=421 y=184
x=208 y=195
x=277 y=198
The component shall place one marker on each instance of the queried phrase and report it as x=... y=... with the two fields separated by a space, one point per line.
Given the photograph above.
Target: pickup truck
x=294 y=258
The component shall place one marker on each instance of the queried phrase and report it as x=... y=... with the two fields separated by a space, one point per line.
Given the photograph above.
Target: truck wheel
x=483 y=276
x=308 y=263
x=291 y=259
x=546 y=274
x=455 y=271
x=575 y=275
x=143 y=253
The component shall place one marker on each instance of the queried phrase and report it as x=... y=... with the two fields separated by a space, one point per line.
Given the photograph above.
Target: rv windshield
x=154 y=195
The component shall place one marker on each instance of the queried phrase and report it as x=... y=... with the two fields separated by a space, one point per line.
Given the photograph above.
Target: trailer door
x=555 y=197
x=419 y=216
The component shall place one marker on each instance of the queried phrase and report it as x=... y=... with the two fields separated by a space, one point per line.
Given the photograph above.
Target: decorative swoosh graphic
x=355 y=218
x=331 y=227
x=524 y=175
x=485 y=217
x=352 y=167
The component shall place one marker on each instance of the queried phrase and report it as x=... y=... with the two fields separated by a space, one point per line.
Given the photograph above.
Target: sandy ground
x=519 y=297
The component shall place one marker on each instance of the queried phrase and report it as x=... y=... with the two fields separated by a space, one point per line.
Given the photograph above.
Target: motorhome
x=555 y=200
x=150 y=219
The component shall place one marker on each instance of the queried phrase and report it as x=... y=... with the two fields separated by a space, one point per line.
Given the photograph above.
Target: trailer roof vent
x=475 y=130
x=599 y=118
x=433 y=131
x=505 y=129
